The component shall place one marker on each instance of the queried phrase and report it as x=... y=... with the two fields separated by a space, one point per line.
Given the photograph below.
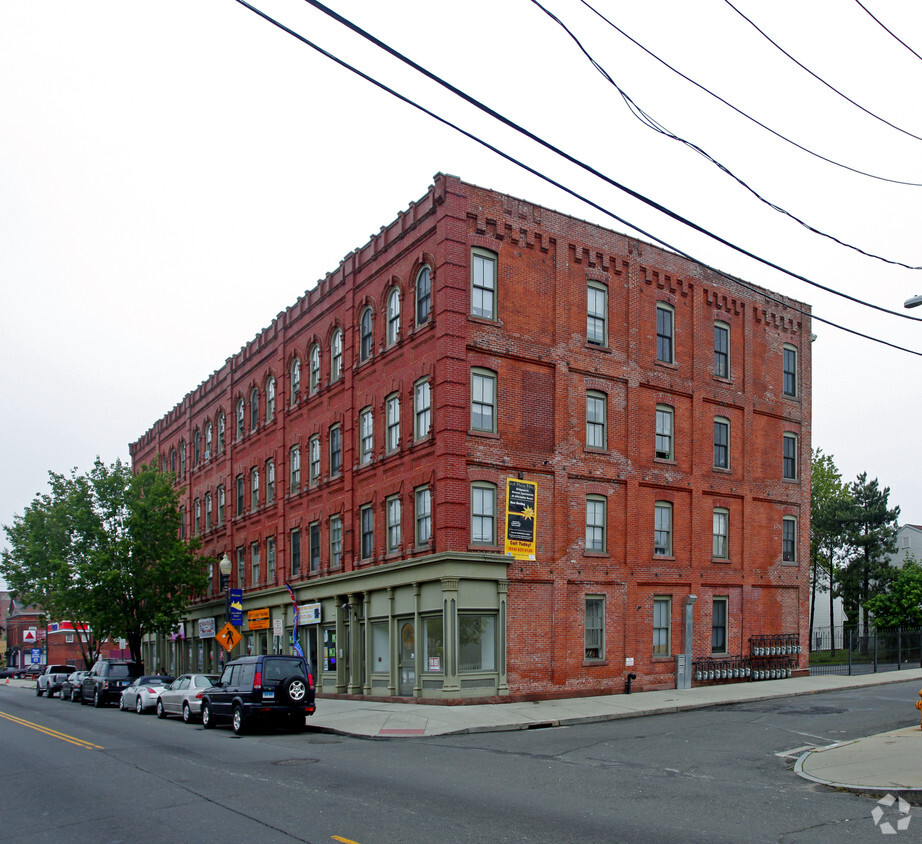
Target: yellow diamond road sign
x=229 y=637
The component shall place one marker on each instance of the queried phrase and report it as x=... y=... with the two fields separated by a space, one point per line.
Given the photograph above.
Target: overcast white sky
x=173 y=174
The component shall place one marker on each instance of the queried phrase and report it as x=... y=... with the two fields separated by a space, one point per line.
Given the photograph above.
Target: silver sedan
x=143 y=693
x=184 y=696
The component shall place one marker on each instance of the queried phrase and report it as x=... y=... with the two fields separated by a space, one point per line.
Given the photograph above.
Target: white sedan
x=143 y=693
x=184 y=696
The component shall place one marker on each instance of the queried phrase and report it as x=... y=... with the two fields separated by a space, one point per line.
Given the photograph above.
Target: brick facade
x=509 y=304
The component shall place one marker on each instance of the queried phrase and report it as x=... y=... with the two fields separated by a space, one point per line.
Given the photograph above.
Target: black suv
x=255 y=688
x=107 y=680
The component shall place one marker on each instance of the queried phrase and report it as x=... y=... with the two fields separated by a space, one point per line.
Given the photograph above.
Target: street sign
x=229 y=637
x=258 y=619
x=35 y=656
x=235 y=598
x=29 y=636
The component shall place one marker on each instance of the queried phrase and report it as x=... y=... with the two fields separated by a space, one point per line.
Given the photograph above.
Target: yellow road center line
x=343 y=840
x=49 y=732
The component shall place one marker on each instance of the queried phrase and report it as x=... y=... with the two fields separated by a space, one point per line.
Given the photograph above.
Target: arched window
x=182 y=459
x=221 y=432
x=314 y=364
x=423 y=295
x=365 y=335
x=295 y=378
x=270 y=399
x=209 y=439
x=336 y=356
x=254 y=409
x=240 y=416
x=173 y=460
x=197 y=447
x=393 y=317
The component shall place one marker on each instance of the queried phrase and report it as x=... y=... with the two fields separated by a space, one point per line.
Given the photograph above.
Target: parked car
x=261 y=688
x=143 y=693
x=72 y=687
x=184 y=696
x=30 y=672
x=107 y=679
x=50 y=680
x=6 y=673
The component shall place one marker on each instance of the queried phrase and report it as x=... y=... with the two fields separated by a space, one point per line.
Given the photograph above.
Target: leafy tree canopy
x=103 y=548
x=901 y=603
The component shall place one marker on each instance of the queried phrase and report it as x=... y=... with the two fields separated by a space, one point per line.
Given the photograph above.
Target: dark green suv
x=261 y=688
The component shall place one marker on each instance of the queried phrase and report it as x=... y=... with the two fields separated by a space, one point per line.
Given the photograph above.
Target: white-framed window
x=665 y=426
x=294 y=469
x=789 y=539
x=393 y=316
x=313 y=366
x=336 y=450
x=367 y=523
x=366 y=436
x=594 y=627
x=483 y=513
x=483 y=400
x=241 y=567
x=789 y=364
x=719 y=609
x=254 y=488
x=241 y=494
x=221 y=432
x=240 y=415
x=721 y=350
x=254 y=563
x=196 y=447
x=393 y=523
x=721 y=534
x=336 y=356
x=596 y=518
x=270 y=481
x=221 y=504
x=294 y=552
x=662 y=529
x=597 y=314
x=209 y=511
x=789 y=460
x=366 y=337
x=662 y=626
x=336 y=541
x=254 y=409
x=313 y=450
x=197 y=521
x=423 y=295
x=422 y=409
x=313 y=546
x=270 y=399
x=270 y=560
x=483 y=283
x=182 y=458
x=665 y=333
x=721 y=443
x=392 y=422
x=209 y=440
x=596 y=420
x=294 y=378
x=423 y=514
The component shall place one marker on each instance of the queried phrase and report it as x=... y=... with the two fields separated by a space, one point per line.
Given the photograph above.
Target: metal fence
x=845 y=650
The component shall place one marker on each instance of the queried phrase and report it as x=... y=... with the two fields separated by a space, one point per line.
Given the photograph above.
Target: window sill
x=666 y=364
x=721 y=470
x=590 y=449
x=596 y=554
x=598 y=347
x=485 y=320
x=721 y=560
x=668 y=461
x=489 y=435
x=664 y=558
x=589 y=663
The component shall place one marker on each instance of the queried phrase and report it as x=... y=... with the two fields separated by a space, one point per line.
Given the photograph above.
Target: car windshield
x=278 y=669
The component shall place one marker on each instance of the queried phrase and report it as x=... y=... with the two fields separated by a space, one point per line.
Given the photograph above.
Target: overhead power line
x=752 y=288
x=888 y=31
x=819 y=78
x=658 y=127
x=744 y=114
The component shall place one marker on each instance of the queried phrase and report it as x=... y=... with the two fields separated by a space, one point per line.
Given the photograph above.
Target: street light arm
x=913 y=301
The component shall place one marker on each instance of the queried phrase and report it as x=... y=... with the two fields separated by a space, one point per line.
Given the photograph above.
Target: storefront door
x=407 y=659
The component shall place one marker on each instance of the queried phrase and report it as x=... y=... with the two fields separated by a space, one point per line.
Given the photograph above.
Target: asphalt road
x=79 y=774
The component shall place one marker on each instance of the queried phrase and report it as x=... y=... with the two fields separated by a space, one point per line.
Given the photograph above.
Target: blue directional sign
x=35 y=655
x=236 y=607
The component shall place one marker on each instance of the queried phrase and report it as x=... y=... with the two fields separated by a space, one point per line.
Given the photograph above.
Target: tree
x=105 y=548
x=900 y=604
x=830 y=505
x=873 y=528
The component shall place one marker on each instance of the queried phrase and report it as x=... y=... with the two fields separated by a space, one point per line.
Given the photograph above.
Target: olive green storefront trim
x=431 y=627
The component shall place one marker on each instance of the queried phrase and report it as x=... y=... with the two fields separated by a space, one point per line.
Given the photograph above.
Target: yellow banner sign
x=258 y=619
x=521 y=503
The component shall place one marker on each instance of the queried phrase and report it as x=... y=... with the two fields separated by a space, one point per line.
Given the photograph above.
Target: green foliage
x=900 y=603
x=104 y=548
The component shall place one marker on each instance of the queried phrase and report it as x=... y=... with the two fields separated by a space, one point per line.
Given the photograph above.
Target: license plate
x=268 y=695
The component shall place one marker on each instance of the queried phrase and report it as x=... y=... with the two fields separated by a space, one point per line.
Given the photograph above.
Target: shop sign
x=309 y=613
x=521 y=498
x=206 y=628
x=258 y=619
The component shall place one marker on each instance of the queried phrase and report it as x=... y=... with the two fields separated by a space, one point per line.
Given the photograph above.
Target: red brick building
x=359 y=448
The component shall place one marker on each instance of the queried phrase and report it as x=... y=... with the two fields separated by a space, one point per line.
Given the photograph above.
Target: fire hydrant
x=919 y=706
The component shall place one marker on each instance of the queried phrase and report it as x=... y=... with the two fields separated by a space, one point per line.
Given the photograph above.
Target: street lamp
x=913 y=301
x=225 y=568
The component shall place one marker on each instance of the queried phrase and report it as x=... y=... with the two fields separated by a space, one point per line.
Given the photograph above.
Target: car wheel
x=38 y=690
x=97 y=699
x=121 y=704
x=161 y=712
x=139 y=705
x=186 y=713
x=207 y=717
x=293 y=690
x=238 y=722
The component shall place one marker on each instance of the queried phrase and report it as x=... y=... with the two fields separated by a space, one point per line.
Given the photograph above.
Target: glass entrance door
x=407 y=659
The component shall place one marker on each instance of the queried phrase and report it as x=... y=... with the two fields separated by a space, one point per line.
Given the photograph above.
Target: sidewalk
x=885 y=762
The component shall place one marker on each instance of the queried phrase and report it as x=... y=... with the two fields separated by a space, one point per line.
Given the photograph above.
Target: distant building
x=361 y=446
x=908 y=543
